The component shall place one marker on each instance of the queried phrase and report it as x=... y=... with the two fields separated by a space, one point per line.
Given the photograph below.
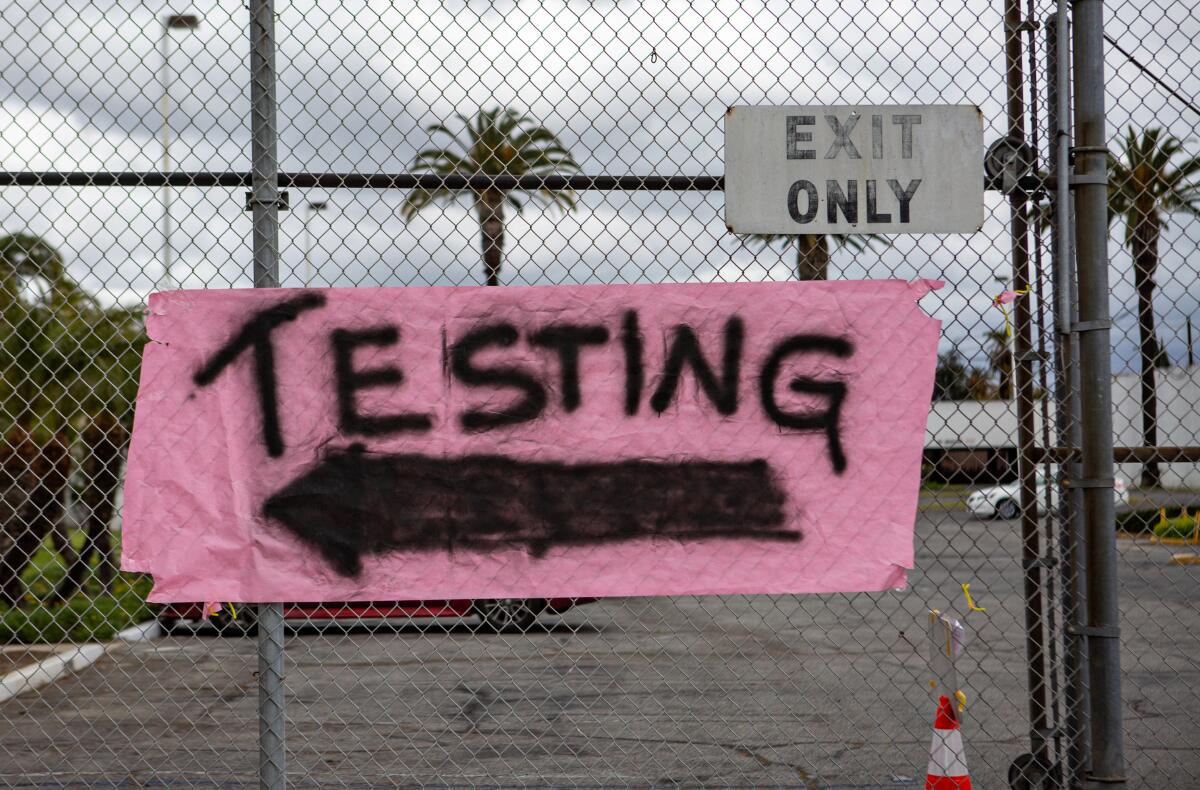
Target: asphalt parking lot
x=814 y=691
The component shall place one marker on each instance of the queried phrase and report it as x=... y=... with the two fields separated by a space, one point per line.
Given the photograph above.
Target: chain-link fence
x=130 y=140
x=1154 y=193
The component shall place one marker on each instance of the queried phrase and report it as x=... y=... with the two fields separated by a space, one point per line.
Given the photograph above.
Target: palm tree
x=64 y=360
x=497 y=143
x=1000 y=361
x=813 y=251
x=40 y=309
x=979 y=384
x=950 y=377
x=956 y=379
x=1144 y=187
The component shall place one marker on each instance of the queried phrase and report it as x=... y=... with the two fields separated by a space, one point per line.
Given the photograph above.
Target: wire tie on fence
x=212 y=608
x=1094 y=482
x=971 y=607
x=1095 y=631
x=1004 y=298
x=1091 y=326
x=280 y=202
x=1088 y=178
x=1076 y=150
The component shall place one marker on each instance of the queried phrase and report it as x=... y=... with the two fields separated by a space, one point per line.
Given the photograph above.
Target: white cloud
x=631 y=88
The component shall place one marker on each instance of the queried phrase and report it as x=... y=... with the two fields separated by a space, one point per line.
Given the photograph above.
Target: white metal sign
x=863 y=169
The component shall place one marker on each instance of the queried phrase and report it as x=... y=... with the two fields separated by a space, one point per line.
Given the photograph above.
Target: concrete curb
x=72 y=658
x=1173 y=541
x=1150 y=537
x=142 y=632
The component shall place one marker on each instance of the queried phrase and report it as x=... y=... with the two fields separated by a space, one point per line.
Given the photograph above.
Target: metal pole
x=264 y=177
x=272 y=768
x=1066 y=393
x=311 y=208
x=1051 y=550
x=307 y=249
x=272 y=764
x=1039 y=729
x=164 y=78
x=1091 y=244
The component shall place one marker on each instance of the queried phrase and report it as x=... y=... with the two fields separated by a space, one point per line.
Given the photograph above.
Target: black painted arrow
x=354 y=502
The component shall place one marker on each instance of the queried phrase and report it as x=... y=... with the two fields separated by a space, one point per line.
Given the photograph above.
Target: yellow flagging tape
x=970 y=603
x=1004 y=299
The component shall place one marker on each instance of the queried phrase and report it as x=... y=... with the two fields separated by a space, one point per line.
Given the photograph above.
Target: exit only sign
x=860 y=169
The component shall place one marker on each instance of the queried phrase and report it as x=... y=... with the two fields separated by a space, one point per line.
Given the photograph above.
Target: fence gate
x=362 y=144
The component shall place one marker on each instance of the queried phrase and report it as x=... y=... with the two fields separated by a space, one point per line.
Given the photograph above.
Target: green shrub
x=1178 y=527
x=91 y=615
x=85 y=617
x=1145 y=520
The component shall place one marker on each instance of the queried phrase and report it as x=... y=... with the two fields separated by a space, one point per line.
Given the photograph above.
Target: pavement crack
x=810 y=782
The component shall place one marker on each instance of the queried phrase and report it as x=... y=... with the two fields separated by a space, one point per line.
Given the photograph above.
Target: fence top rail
x=1122 y=455
x=319 y=180
x=208 y=178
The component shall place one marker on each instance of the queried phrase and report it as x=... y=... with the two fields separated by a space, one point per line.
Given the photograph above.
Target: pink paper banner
x=574 y=441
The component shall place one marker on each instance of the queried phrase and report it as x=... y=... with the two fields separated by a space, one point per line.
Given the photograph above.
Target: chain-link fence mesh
x=1154 y=188
x=792 y=691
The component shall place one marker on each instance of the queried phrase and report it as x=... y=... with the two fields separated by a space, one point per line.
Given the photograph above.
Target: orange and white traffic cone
x=947 y=761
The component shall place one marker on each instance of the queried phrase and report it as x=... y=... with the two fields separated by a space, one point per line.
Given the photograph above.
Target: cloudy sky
x=629 y=87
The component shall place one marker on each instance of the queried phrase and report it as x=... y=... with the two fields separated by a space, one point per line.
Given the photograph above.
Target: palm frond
x=534 y=136
x=545 y=165
x=565 y=199
x=1144 y=186
x=509 y=121
x=419 y=198
x=439 y=128
x=861 y=242
x=853 y=242
x=496 y=141
x=442 y=161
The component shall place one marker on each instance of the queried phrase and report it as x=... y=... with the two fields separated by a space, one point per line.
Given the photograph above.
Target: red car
x=494 y=614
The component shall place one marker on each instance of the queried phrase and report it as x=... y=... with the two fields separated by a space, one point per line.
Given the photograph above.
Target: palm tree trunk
x=37 y=470
x=1145 y=261
x=812 y=257
x=1005 y=391
x=490 y=205
x=1000 y=359
x=104 y=440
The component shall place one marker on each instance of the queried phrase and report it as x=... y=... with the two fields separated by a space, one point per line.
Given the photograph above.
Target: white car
x=1004 y=501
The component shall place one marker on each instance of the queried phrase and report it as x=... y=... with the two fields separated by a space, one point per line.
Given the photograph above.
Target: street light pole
x=169 y=23
x=312 y=207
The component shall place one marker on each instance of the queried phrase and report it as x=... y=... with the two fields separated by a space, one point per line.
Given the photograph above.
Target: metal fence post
x=264 y=182
x=1031 y=554
x=272 y=767
x=264 y=202
x=1066 y=390
x=1091 y=242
